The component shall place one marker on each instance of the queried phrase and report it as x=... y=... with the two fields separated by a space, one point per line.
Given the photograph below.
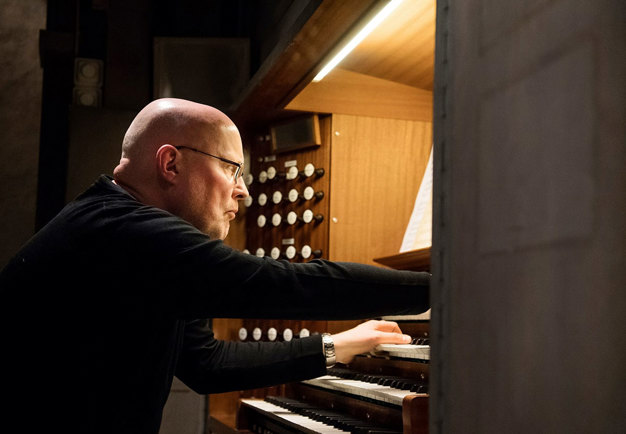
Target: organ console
x=345 y=196
x=294 y=218
x=382 y=392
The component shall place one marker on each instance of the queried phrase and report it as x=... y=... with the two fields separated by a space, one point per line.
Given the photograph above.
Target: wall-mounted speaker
x=88 y=78
x=300 y=133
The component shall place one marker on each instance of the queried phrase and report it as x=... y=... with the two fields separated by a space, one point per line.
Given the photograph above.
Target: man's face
x=213 y=195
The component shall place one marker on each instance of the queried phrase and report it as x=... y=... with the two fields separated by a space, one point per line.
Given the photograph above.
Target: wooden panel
x=313 y=234
x=284 y=72
x=377 y=166
x=347 y=92
x=416 y=260
x=401 y=48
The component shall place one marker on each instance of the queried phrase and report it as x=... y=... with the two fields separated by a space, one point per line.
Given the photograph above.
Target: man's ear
x=167 y=160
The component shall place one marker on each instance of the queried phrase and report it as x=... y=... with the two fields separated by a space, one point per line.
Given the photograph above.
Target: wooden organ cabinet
x=347 y=196
x=348 y=199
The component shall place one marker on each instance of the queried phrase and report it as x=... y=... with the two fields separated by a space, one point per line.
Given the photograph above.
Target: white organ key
x=364 y=389
x=304 y=424
x=408 y=351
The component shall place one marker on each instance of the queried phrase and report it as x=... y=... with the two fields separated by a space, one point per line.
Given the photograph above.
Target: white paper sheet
x=418 y=234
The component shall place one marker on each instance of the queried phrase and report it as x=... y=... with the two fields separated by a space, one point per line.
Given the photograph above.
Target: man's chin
x=218 y=233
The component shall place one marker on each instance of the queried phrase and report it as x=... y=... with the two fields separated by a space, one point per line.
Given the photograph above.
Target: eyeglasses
x=236 y=172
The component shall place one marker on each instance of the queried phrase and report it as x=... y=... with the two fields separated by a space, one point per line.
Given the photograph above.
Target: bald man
x=104 y=305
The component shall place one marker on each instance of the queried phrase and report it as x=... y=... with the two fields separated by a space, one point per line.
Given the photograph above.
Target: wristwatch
x=329 y=350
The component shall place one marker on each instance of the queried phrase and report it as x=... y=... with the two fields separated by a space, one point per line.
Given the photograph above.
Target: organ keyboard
x=382 y=392
x=289 y=219
x=380 y=388
x=289 y=415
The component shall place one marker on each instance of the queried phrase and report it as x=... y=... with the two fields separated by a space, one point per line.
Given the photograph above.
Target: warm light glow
x=371 y=25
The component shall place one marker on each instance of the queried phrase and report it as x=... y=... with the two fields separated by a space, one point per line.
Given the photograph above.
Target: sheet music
x=418 y=234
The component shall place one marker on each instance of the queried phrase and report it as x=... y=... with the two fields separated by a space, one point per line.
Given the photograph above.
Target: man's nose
x=240 y=191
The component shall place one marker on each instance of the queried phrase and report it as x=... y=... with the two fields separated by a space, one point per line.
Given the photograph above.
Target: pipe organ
x=346 y=198
x=342 y=189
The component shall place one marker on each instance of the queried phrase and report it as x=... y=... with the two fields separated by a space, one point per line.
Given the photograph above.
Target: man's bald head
x=165 y=124
x=174 y=121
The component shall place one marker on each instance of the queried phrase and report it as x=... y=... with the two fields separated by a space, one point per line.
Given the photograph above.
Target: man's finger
x=393 y=338
x=388 y=326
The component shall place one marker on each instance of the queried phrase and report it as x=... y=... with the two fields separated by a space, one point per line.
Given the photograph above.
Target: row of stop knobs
x=292 y=173
x=293 y=196
x=290 y=252
x=271 y=334
x=292 y=218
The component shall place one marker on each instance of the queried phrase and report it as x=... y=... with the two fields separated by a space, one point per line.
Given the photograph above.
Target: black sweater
x=105 y=304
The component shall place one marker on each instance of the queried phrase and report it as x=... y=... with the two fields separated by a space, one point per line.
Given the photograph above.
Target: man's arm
x=208 y=365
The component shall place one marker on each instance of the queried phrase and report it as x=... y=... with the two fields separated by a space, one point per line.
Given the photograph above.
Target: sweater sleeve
x=208 y=365
x=163 y=262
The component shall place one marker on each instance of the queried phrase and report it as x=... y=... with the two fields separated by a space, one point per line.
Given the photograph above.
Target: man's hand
x=364 y=338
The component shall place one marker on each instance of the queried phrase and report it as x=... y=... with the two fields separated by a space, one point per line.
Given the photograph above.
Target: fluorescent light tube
x=356 y=40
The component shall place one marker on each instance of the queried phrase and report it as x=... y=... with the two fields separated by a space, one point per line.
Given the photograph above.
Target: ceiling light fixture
x=356 y=40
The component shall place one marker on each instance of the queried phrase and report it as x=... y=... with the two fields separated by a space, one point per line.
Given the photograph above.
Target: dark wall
x=20 y=105
x=121 y=34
